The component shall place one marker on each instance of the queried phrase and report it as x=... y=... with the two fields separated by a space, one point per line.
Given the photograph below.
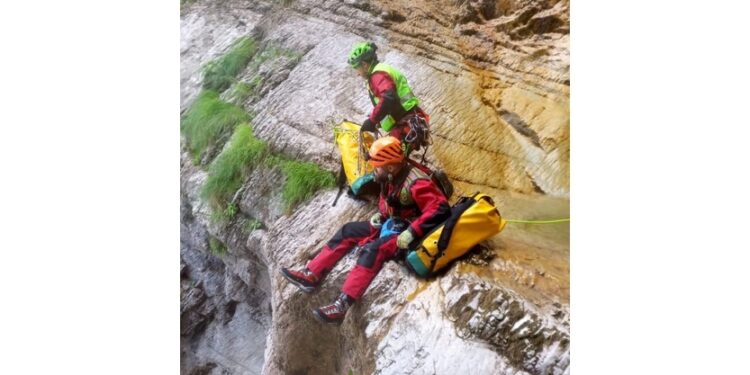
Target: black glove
x=367 y=126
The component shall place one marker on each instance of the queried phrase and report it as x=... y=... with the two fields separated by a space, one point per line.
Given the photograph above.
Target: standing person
x=396 y=108
x=407 y=195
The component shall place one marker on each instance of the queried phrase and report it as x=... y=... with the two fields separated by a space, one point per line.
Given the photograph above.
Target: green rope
x=538 y=221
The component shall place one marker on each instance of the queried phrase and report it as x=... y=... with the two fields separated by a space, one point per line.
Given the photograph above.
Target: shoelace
x=336 y=307
x=306 y=274
x=333 y=308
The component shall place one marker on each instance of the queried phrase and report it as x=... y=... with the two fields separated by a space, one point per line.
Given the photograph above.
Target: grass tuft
x=227 y=173
x=303 y=179
x=252 y=225
x=273 y=52
x=208 y=120
x=219 y=74
x=226 y=215
x=240 y=93
x=217 y=247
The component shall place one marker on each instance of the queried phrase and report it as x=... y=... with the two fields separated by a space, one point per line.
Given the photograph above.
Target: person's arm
x=384 y=89
x=433 y=205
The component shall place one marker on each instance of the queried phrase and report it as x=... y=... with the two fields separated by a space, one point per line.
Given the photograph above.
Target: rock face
x=494 y=77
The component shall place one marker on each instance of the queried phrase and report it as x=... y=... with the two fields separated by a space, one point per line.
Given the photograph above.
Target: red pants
x=370 y=261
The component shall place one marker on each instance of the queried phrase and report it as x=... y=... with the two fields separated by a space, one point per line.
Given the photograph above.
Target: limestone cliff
x=494 y=76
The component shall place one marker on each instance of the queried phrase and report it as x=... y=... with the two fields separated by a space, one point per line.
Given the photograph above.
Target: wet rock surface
x=494 y=77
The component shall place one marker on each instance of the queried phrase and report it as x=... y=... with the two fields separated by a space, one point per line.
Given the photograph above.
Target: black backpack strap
x=342 y=183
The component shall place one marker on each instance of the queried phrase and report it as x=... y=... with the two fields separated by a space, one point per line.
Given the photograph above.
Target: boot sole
x=304 y=288
x=321 y=318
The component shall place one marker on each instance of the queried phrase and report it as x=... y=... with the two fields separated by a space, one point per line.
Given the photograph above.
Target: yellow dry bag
x=473 y=220
x=353 y=161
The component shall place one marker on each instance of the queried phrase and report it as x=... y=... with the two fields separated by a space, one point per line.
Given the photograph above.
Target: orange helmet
x=386 y=150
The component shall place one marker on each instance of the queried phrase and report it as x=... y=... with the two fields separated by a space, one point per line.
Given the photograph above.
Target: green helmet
x=362 y=52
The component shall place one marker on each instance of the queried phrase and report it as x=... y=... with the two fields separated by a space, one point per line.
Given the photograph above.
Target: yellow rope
x=538 y=221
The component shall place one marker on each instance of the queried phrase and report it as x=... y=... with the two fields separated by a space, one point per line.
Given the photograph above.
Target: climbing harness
x=418 y=136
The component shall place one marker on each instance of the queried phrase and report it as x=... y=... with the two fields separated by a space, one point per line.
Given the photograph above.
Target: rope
x=538 y=221
x=360 y=154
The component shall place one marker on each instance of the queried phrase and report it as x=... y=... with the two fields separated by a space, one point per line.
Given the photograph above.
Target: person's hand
x=376 y=220
x=404 y=239
x=367 y=126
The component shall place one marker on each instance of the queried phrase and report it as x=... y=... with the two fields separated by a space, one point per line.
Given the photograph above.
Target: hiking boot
x=335 y=312
x=304 y=279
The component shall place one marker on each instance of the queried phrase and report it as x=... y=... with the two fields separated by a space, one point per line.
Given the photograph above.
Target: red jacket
x=383 y=87
x=427 y=207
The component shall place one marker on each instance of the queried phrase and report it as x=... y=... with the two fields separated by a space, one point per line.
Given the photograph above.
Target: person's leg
x=308 y=278
x=374 y=254
x=368 y=265
x=344 y=240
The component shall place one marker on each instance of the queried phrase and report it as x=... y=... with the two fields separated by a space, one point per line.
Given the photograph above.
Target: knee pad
x=368 y=255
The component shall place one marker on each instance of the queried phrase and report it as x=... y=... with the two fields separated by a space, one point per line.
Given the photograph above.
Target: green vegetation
x=219 y=74
x=252 y=225
x=303 y=179
x=244 y=90
x=271 y=52
x=208 y=120
x=240 y=93
x=222 y=216
x=186 y=3
x=231 y=211
x=285 y=3
x=206 y=123
x=231 y=167
x=217 y=247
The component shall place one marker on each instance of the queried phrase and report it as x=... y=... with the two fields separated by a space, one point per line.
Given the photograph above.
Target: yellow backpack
x=354 y=164
x=355 y=171
x=473 y=220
